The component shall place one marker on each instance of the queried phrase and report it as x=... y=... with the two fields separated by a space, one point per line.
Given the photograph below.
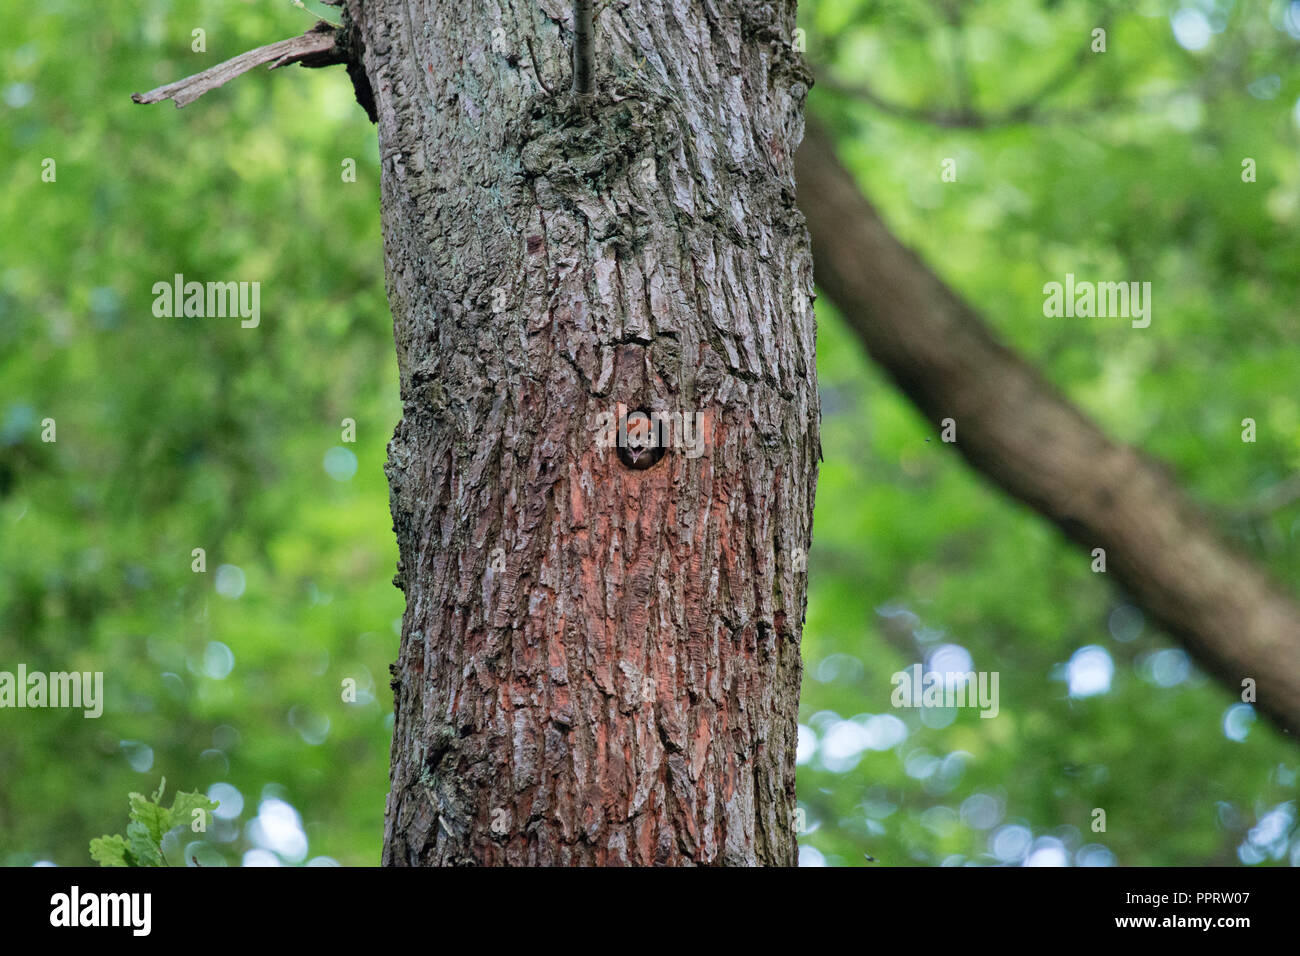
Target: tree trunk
x=1018 y=431
x=599 y=663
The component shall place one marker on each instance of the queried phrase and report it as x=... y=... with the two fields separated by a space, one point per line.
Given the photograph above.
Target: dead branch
x=315 y=48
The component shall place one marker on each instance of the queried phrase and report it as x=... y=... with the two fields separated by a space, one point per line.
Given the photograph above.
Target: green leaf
x=150 y=822
x=144 y=847
x=155 y=819
x=184 y=805
x=111 y=851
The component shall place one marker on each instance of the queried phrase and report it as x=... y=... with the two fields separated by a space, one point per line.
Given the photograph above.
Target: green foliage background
x=182 y=434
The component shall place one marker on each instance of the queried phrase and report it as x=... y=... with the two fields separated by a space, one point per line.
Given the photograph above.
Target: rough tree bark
x=598 y=665
x=1019 y=432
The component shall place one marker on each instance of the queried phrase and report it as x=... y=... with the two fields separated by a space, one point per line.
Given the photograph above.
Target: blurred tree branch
x=1281 y=495
x=1018 y=431
x=966 y=115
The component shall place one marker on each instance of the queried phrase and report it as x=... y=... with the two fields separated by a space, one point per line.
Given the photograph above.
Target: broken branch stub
x=317 y=47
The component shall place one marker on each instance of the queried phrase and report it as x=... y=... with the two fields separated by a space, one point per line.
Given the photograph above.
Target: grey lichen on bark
x=598 y=665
